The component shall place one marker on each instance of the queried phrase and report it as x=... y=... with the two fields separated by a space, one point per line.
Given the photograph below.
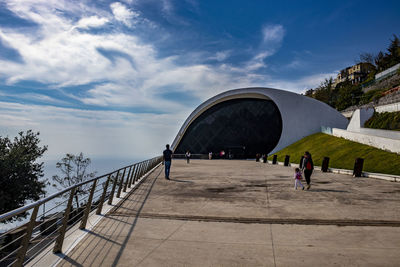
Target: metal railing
x=35 y=236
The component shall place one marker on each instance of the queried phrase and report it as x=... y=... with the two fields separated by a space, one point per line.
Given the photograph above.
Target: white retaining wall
x=386 y=140
x=388 y=108
x=387 y=72
x=360 y=116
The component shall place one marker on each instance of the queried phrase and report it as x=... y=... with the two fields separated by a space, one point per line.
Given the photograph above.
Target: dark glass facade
x=239 y=127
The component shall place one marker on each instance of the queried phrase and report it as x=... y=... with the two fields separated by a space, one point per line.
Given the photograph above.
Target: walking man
x=187 y=156
x=167 y=157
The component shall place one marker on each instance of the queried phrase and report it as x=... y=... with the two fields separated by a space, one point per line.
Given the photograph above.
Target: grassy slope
x=342 y=154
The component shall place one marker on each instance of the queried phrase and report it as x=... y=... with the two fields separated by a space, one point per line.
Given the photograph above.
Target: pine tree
x=20 y=172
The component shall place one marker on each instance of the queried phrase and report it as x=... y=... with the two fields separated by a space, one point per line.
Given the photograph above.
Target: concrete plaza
x=243 y=213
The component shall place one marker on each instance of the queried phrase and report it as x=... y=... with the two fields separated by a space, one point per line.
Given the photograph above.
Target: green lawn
x=342 y=154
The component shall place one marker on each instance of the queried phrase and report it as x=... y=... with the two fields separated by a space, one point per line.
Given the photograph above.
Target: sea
x=99 y=165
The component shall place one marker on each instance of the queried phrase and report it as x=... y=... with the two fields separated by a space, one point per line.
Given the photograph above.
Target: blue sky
x=116 y=79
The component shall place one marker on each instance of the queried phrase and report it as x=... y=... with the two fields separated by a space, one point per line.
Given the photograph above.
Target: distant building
x=355 y=74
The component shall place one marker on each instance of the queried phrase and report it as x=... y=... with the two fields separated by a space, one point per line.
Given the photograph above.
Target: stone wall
x=387 y=83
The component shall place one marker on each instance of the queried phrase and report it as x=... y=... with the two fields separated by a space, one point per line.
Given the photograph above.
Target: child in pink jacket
x=297 y=178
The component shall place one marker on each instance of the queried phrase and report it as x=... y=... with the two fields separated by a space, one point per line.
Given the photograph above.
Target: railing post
x=135 y=178
x=140 y=172
x=63 y=228
x=120 y=184
x=144 y=168
x=132 y=175
x=110 y=199
x=103 y=196
x=25 y=242
x=88 y=206
x=127 y=179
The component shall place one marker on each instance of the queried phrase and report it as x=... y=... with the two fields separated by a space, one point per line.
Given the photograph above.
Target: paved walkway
x=243 y=213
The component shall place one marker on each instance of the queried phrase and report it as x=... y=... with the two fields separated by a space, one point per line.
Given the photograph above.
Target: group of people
x=307 y=166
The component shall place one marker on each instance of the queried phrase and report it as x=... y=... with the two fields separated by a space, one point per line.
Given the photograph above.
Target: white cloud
x=93 y=21
x=109 y=134
x=257 y=61
x=33 y=96
x=64 y=56
x=167 y=6
x=221 y=55
x=124 y=14
x=273 y=33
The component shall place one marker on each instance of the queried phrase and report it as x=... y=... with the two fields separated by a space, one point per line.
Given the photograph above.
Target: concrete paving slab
x=183 y=253
x=230 y=213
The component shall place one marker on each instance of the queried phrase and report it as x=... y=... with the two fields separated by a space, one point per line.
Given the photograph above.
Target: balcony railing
x=19 y=246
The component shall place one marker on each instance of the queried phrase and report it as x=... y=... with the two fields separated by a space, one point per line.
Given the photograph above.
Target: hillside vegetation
x=346 y=94
x=385 y=120
x=342 y=154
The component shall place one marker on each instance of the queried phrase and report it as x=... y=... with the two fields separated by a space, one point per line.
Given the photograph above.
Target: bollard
x=358 y=166
x=301 y=162
x=274 y=159
x=265 y=159
x=287 y=160
x=325 y=164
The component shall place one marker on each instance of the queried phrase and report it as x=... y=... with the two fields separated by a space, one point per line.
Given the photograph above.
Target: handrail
x=20 y=210
x=18 y=256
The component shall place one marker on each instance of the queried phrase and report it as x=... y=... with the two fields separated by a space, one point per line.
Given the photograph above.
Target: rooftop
x=243 y=213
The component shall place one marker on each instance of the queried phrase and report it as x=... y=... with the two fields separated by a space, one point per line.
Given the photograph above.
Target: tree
x=384 y=61
x=348 y=95
x=20 y=172
x=324 y=91
x=74 y=171
x=380 y=61
x=394 y=51
x=366 y=57
x=309 y=93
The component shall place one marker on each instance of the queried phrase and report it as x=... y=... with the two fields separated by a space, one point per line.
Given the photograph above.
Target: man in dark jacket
x=308 y=167
x=167 y=157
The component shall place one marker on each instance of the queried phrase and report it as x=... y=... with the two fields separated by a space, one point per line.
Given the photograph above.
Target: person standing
x=210 y=155
x=308 y=167
x=187 y=156
x=167 y=157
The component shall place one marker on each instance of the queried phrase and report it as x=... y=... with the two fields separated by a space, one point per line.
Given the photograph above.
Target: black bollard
x=265 y=159
x=275 y=159
x=325 y=164
x=287 y=160
x=358 y=166
x=301 y=162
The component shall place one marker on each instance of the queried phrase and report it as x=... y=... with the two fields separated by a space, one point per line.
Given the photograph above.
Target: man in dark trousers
x=167 y=157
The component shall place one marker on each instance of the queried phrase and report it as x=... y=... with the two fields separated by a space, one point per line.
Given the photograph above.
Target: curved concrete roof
x=301 y=115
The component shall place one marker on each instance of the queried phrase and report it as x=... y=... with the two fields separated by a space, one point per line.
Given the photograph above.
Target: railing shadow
x=100 y=244
x=123 y=246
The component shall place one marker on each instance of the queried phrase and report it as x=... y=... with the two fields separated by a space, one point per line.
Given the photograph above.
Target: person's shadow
x=181 y=181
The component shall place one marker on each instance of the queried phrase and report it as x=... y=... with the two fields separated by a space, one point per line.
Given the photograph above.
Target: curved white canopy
x=301 y=115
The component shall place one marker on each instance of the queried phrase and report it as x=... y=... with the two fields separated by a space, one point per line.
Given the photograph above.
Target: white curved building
x=253 y=120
